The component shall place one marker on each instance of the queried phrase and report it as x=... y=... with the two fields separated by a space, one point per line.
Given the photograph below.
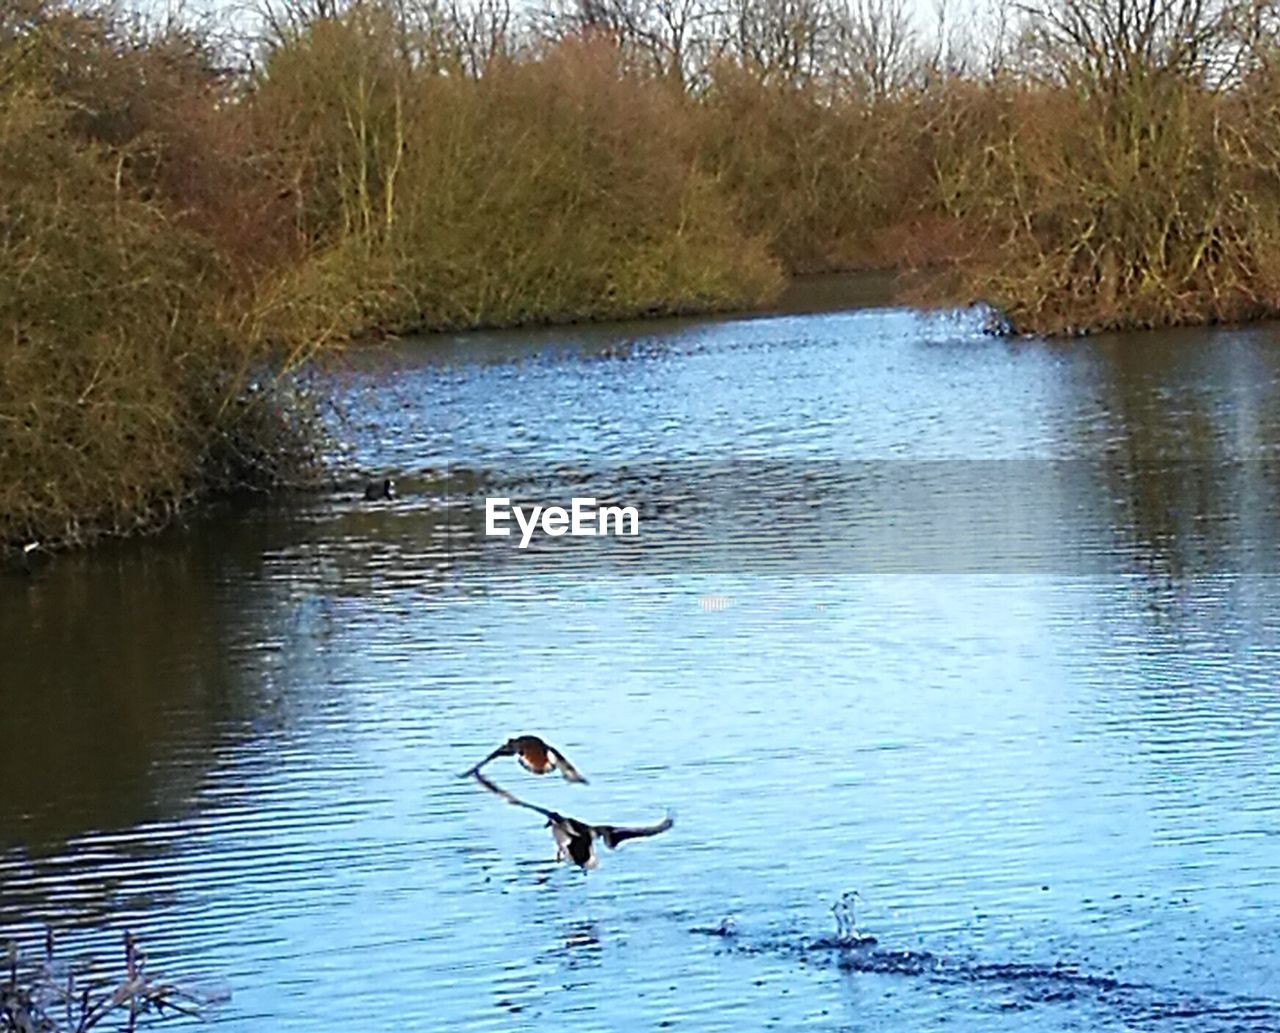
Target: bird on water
x=376 y=491
x=576 y=840
x=534 y=755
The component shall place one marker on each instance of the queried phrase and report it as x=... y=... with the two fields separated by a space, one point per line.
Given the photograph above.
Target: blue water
x=987 y=631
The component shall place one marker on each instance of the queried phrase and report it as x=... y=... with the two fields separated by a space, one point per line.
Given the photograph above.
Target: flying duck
x=534 y=755
x=576 y=840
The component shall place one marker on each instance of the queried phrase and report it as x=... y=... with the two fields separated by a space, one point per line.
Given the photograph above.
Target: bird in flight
x=576 y=840
x=534 y=755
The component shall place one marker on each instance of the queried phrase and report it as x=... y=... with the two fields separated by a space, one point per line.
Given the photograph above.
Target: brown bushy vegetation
x=543 y=190
x=183 y=221
x=125 y=367
x=1131 y=181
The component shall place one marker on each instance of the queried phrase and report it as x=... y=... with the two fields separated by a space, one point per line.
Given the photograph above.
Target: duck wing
x=568 y=770
x=504 y=750
x=612 y=835
x=497 y=790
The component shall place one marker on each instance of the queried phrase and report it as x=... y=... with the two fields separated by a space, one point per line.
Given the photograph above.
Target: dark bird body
x=534 y=755
x=376 y=491
x=576 y=840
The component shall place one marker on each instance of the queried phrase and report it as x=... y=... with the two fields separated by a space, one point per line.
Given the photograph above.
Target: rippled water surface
x=987 y=631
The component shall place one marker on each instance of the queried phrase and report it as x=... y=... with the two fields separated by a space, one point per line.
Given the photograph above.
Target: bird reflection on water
x=581 y=938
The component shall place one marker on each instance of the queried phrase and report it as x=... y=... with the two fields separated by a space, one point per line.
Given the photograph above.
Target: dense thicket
x=185 y=216
x=1078 y=164
x=553 y=188
x=131 y=377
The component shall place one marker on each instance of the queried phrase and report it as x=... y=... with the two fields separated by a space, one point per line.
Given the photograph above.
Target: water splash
x=1024 y=986
x=847 y=934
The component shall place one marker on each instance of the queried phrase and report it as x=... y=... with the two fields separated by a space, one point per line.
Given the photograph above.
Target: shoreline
x=811 y=293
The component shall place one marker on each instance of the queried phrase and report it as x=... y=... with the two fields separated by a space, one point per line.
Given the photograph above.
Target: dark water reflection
x=986 y=630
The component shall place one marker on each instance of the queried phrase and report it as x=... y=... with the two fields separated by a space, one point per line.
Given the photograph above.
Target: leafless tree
x=876 y=50
x=668 y=35
x=481 y=32
x=1110 y=41
x=284 y=19
x=782 y=40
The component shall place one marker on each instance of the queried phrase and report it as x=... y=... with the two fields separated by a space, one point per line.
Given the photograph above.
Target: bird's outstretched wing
x=497 y=790
x=502 y=751
x=568 y=770
x=612 y=835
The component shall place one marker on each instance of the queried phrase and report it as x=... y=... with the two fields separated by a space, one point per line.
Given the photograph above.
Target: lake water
x=988 y=631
